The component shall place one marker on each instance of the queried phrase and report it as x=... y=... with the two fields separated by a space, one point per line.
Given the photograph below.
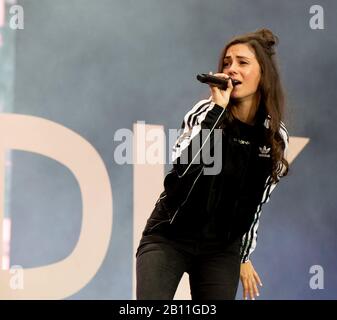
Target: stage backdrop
x=86 y=79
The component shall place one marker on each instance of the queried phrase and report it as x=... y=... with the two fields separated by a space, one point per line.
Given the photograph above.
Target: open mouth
x=236 y=82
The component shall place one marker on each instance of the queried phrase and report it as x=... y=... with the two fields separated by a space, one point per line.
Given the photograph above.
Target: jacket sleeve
x=189 y=152
x=249 y=239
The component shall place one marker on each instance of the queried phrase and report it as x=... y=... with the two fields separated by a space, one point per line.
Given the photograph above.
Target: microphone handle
x=221 y=83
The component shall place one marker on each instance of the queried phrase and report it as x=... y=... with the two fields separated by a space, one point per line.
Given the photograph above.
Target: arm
x=249 y=239
x=207 y=114
x=199 y=124
x=249 y=277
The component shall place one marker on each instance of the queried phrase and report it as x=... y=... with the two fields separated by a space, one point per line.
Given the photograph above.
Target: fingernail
x=246 y=298
x=261 y=284
x=253 y=299
x=258 y=294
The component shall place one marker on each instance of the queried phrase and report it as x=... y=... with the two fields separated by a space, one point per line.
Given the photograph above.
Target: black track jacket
x=235 y=188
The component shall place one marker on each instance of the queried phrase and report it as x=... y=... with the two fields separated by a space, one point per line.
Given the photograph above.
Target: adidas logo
x=264 y=152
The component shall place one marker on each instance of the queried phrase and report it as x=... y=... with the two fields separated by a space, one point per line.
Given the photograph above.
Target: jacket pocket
x=153 y=224
x=158 y=217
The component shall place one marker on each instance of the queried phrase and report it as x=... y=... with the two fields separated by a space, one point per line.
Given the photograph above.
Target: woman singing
x=205 y=221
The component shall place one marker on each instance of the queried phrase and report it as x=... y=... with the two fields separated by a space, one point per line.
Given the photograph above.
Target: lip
x=236 y=82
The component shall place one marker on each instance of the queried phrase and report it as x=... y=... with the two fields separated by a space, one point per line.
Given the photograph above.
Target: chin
x=235 y=95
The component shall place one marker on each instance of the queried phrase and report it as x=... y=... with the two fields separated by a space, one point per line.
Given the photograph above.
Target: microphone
x=221 y=83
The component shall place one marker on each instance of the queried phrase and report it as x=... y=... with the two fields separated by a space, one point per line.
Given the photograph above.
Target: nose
x=232 y=70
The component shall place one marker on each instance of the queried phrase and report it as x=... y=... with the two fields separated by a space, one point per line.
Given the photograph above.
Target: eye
x=243 y=62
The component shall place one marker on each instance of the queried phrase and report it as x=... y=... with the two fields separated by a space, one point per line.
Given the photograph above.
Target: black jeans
x=214 y=269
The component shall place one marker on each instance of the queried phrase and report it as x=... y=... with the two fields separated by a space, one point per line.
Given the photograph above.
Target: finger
x=246 y=293
x=221 y=75
x=245 y=289
x=215 y=90
x=251 y=290
x=257 y=278
x=256 y=291
x=230 y=86
x=229 y=82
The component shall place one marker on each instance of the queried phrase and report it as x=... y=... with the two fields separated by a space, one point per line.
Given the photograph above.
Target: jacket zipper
x=171 y=219
x=156 y=225
x=194 y=182
x=160 y=198
x=164 y=196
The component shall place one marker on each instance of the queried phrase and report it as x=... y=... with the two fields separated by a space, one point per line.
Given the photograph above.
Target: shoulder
x=198 y=108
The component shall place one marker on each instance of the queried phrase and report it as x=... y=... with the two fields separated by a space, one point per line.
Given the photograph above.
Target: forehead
x=240 y=49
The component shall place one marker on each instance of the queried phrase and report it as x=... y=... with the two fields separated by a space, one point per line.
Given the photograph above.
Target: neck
x=245 y=109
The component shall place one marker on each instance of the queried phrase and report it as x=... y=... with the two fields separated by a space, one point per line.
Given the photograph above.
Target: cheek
x=252 y=78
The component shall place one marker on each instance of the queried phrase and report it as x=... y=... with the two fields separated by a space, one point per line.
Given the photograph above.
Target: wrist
x=243 y=262
x=220 y=105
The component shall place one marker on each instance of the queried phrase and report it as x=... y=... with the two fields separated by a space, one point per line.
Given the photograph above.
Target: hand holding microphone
x=221 y=86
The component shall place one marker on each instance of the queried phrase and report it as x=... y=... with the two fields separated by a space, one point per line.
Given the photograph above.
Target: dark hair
x=272 y=96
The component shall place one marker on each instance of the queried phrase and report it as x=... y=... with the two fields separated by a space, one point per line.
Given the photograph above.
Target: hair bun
x=268 y=40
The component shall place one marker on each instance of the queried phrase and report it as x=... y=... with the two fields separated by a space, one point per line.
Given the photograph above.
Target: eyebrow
x=227 y=57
